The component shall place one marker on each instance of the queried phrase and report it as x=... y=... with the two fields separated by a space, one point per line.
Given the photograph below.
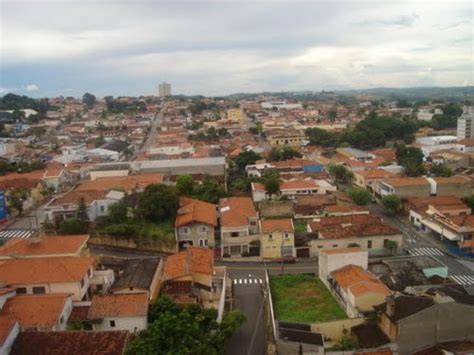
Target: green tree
x=392 y=203
x=117 y=212
x=185 y=185
x=359 y=195
x=81 y=212
x=322 y=137
x=157 y=203
x=469 y=201
x=272 y=184
x=209 y=190
x=88 y=100
x=340 y=172
x=244 y=159
x=438 y=169
x=73 y=226
x=411 y=158
x=99 y=141
x=15 y=201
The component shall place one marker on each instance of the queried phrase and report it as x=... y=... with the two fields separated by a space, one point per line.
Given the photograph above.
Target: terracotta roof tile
x=190 y=261
x=235 y=211
x=44 y=270
x=358 y=281
x=6 y=325
x=195 y=211
x=302 y=184
x=282 y=225
x=47 y=245
x=36 y=310
x=25 y=180
x=375 y=174
x=341 y=250
x=118 y=305
x=71 y=342
x=127 y=183
x=457 y=179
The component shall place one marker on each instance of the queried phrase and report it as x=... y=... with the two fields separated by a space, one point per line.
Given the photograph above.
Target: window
x=100 y=287
x=39 y=290
x=61 y=320
x=270 y=237
x=287 y=236
x=102 y=208
x=112 y=324
x=334 y=245
x=203 y=242
x=184 y=230
x=21 y=290
x=234 y=234
x=253 y=223
x=202 y=229
x=369 y=244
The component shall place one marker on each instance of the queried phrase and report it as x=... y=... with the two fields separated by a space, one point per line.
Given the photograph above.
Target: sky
x=222 y=47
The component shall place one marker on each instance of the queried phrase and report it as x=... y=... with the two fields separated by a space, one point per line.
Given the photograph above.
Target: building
x=364 y=230
x=9 y=330
x=70 y=342
x=282 y=137
x=235 y=115
x=438 y=315
x=277 y=238
x=334 y=259
x=239 y=225
x=368 y=178
x=46 y=312
x=292 y=189
x=458 y=186
x=126 y=311
x=465 y=129
x=70 y=275
x=195 y=223
x=405 y=187
x=164 y=89
x=358 y=290
x=140 y=276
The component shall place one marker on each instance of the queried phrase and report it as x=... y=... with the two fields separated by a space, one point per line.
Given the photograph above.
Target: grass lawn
x=303 y=299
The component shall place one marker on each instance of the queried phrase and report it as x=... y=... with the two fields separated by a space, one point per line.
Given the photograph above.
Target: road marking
x=425 y=252
x=256 y=281
x=261 y=281
x=250 y=281
x=245 y=281
x=240 y=281
x=464 y=280
x=235 y=281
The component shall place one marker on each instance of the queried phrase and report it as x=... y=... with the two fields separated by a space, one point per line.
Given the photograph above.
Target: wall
x=458 y=190
x=271 y=248
x=335 y=329
x=139 y=244
x=194 y=234
x=412 y=191
x=377 y=243
x=331 y=262
x=131 y=324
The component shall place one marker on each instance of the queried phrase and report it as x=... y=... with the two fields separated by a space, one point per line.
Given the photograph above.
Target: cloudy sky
x=221 y=47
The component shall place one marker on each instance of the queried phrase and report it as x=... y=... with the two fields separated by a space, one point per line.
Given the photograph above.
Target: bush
x=123 y=230
x=73 y=226
x=360 y=196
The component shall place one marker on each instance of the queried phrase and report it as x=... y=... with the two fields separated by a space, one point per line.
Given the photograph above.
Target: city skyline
x=115 y=48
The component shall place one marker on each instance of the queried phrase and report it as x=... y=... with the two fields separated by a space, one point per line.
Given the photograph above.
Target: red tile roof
x=118 y=305
x=6 y=325
x=235 y=211
x=301 y=184
x=71 y=342
x=44 y=270
x=127 y=183
x=195 y=211
x=341 y=250
x=282 y=225
x=47 y=245
x=358 y=281
x=42 y=311
x=188 y=262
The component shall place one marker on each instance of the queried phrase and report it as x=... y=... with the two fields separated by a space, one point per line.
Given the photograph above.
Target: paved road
x=30 y=220
x=248 y=297
x=157 y=121
x=418 y=243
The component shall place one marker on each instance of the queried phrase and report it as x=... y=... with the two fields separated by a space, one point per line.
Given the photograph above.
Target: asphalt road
x=248 y=298
x=30 y=220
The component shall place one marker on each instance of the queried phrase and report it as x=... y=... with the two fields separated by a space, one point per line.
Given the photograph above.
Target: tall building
x=164 y=89
x=466 y=123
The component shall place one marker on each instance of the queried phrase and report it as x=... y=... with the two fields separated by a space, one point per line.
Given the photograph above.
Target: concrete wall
x=107 y=173
x=139 y=243
x=195 y=234
x=412 y=191
x=330 y=262
x=132 y=324
x=335 y=329
x=458 y=190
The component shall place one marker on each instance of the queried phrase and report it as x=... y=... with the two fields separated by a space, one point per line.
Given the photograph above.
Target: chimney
x=390 y=308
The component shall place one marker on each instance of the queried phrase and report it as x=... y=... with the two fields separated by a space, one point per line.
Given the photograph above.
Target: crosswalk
x=249 y=281
x=425 y=252
x=16 y=233
x=464 y=280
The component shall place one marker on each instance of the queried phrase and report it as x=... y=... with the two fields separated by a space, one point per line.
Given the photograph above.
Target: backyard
x=303 y=299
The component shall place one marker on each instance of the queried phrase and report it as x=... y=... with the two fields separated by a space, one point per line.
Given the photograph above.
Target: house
x=188 y=274
x=309 y=206
x=46 y=312
x=364 y=230
x=239 y=225
x=334 y=259
x=128 y=183
x=195 y=223
x=292 y=189
x=140 y=276
x=367 y=178
x=127 y=311
x=45 y=246
x=57 y=179
x=277 y=238
x=357 y=289
x=282 y=137
x=458 y=185
x=438 y=315
x=70 y=342
x=112 y=151
x=405 y=187
x=49 y=275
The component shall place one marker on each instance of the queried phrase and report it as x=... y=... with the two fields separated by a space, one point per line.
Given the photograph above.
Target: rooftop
x=195 y=211
x=188 y=262
x=235 y=211
x=47 y=245
x=406 y=181
x=118 y=305
x=137 y=274
x=282 y=225
x=358 y=281
x=341 y=250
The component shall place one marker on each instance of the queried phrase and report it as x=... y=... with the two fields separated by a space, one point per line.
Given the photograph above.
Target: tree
x=392 y=203
x=117 y=212
x=209 y=190
x=73 y=226
x=272 y=184
x=99 y=141
x=321 y=137
x=469 y=201
x=244 y=159
x=16 y=202
x=157 y=203
x=192 y=330
x=340 y=172
x=88 y=100
x=286 y=153
x=411 y=158
x=359 y=195
x=438 y=169
x=185 y=185
x=332 y=115
x=81 y=213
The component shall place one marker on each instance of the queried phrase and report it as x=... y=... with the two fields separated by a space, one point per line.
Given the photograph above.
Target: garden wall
x=144 y=244
x=335 y=329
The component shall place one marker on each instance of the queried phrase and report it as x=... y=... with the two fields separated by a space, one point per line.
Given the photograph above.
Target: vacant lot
x=303 y=299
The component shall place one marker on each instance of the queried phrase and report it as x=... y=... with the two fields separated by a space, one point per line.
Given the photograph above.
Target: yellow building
x=235 y=114
x=277 y=238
